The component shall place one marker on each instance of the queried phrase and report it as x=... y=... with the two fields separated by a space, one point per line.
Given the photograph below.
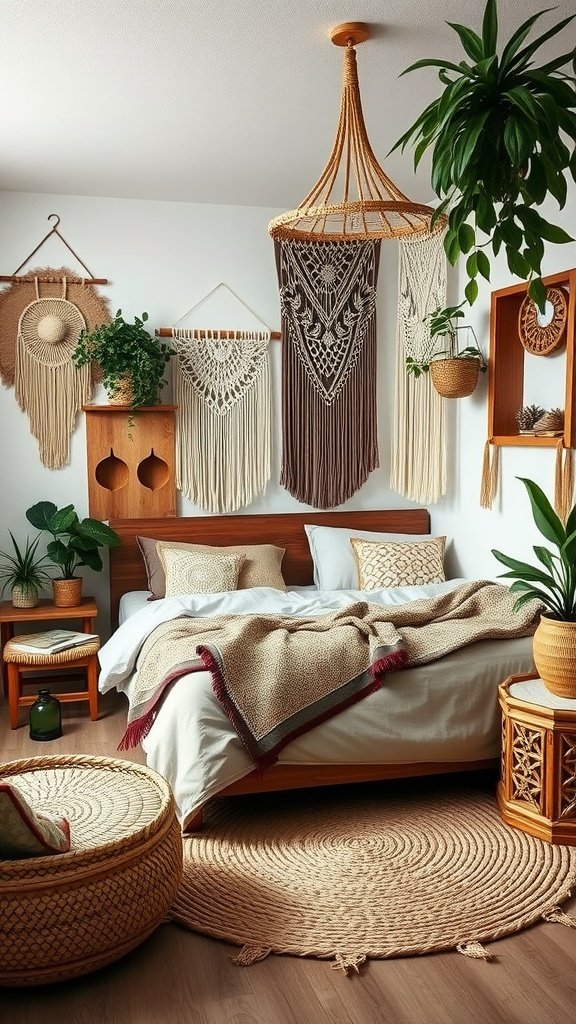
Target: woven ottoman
x=70 y=913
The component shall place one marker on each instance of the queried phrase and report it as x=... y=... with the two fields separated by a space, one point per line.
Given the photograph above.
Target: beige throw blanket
x=277 y=676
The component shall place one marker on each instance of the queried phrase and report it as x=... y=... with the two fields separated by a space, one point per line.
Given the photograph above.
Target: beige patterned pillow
x=198 y=572
x=261 y=567
x=384 y=564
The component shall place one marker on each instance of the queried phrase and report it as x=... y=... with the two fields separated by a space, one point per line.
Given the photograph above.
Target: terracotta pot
x=554 y=650
x=24 y=597
x=67 y=593
x=454 y=378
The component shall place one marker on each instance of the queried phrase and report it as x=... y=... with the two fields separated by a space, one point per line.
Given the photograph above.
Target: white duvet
x=444 y=711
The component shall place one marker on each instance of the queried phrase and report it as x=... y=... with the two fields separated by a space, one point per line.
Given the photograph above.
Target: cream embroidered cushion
x=198 y=572
x=383 y=564
x=25 y=832
x=261 y=567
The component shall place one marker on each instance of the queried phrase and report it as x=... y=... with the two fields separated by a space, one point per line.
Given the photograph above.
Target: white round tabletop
x=534 y=691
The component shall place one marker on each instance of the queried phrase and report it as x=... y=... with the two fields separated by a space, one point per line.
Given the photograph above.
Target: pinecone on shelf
x=551 y=422
x=528 y=416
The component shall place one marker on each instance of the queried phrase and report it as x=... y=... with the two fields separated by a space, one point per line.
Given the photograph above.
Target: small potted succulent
x=24 y=573
x=454 y=370
x=74 y=543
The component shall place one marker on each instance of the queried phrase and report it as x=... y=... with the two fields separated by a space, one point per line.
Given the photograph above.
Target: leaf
x=483 y=264
x=94 y=530
x=537 y=292
x=547 y=522
x=432 y=62
x=472 y=264
x=528 y=51
x=466 y=237
x=470 y=41
x=40 y=514
x=536 y=183
x=517 y=263
x=471 y=291
x=518 y=37
x=490 y=28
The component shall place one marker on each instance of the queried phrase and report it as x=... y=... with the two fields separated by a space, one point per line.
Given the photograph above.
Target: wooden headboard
x=286 y=530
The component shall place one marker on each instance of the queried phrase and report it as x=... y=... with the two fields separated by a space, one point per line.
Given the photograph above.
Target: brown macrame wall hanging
x=327 y=255
x=41 y=316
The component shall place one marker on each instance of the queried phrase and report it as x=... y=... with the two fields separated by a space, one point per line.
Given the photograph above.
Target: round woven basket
x=122 y=393
x=70 y=913
x=454 y=378
x=554 y=652
x=67 y=593
x=24 y=597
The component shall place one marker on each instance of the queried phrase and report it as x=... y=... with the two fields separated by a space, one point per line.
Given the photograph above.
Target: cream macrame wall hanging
x=223 y=420
x=327 y=255
x=41 y=316
x=418 y=458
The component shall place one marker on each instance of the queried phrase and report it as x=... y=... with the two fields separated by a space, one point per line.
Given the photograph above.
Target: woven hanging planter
x=454 y=378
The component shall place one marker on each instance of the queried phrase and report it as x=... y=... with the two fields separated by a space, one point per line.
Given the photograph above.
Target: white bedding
x=444 y=711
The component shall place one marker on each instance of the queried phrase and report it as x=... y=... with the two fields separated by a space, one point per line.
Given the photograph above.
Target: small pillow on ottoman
x=24 y=832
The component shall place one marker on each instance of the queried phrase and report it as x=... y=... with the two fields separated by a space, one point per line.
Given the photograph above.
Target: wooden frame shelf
x=506 y=366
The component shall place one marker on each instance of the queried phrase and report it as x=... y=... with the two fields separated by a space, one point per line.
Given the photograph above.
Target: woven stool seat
x=66 y=914
x=18 y=662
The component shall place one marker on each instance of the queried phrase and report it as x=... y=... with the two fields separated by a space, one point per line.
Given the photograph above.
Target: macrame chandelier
x=327 y=257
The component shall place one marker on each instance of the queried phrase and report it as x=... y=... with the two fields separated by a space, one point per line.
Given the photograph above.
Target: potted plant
x=131 y=359
x=24 y=573
x=454 y=371
x=553 y=584
x=502 y=137
x=74 y=543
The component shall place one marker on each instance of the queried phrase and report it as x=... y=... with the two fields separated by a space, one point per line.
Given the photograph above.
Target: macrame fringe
x=418 y=455
x=348 y=963
x=490 y=474
x=563 y=481
x=558 y=916
x=249 y=955
x=223 y=461
x=475 y=951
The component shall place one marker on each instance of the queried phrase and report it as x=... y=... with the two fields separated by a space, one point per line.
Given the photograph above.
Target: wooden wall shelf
x=131 y=464
x=507 y=363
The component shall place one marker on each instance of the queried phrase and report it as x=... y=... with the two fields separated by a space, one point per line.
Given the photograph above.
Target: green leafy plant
x=23 y=568
x=444 y=326
x=74 y=542
x=502 y=137
x=123 y=349
x=553 y=581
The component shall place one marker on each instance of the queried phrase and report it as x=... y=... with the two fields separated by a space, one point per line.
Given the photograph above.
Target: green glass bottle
x=45 y=717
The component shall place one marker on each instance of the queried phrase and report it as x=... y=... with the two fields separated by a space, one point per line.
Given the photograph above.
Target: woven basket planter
x=24 y=597
x=70 y=913
x=67 y=593
x=454 y=378
x=122 y=393
x=554 y=651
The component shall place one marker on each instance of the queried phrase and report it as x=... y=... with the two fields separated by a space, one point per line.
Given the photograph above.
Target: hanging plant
x=502 y=135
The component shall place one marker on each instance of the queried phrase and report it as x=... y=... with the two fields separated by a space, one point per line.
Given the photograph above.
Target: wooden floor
x=178 y=977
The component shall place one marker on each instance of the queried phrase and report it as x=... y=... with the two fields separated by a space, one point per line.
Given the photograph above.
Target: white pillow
x=334 y=563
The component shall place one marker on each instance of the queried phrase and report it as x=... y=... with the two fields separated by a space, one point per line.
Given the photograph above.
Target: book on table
x=52 y=641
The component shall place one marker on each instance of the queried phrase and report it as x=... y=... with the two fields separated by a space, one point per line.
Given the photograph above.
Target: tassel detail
x=249 y=955
x=557 y=916
x=563 y=481
x=475 y=951
x=348 y=964
x=490 y=474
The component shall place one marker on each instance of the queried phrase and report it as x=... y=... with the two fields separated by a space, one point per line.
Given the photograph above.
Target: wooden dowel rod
x=168 y=332
x=26 y=279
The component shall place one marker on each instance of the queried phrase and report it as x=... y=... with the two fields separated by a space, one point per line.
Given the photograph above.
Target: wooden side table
x=537 y=790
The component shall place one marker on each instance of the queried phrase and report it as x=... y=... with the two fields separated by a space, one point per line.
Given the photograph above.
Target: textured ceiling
x=210 y=101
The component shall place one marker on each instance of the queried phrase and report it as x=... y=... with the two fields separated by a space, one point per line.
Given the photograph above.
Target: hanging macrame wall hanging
x=418 y=467
x=223 y=420
x=327 y=255
x=41 y=316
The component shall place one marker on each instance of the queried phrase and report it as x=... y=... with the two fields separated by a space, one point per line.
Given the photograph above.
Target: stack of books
x=52 y=641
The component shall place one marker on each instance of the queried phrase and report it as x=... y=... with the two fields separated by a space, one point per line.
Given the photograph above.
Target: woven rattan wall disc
x=540 y=336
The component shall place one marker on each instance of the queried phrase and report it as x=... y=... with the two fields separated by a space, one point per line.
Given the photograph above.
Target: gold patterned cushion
x=384 y=564
x=198 y=572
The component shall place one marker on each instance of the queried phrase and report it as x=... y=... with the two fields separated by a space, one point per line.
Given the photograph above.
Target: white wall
x=163 y=258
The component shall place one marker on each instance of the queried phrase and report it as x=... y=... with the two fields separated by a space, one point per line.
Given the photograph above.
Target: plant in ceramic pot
x=24 y=573
x=502 y=137
x=132 y=360
x=553 y=583
x=454 y=370
x=74 y=543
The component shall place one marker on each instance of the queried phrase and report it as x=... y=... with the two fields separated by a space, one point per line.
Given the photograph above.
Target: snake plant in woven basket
x=502 y=135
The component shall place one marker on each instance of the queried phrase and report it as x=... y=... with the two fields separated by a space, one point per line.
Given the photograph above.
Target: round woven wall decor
x=541 y=334
x=354 y=876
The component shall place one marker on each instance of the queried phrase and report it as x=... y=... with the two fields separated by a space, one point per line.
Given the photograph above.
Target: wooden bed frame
x=127 y=572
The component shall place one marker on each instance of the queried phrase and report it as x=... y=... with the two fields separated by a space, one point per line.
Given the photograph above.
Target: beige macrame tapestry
x=223 y=422
x=328 y=302
x=418 y=462
x=39 y=328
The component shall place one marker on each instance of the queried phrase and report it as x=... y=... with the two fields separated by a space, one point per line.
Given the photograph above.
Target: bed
x=457 y=693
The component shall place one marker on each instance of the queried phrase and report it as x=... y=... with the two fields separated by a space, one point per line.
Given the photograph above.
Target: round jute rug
x=354 y=876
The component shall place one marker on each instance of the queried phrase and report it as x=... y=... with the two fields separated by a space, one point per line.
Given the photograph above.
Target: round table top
x=534 y=692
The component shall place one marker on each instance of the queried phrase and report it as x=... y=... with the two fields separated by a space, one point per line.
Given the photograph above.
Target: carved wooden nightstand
x=537 y=791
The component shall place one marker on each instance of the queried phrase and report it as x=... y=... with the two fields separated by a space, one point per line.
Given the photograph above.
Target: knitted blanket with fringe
x=278 y=676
